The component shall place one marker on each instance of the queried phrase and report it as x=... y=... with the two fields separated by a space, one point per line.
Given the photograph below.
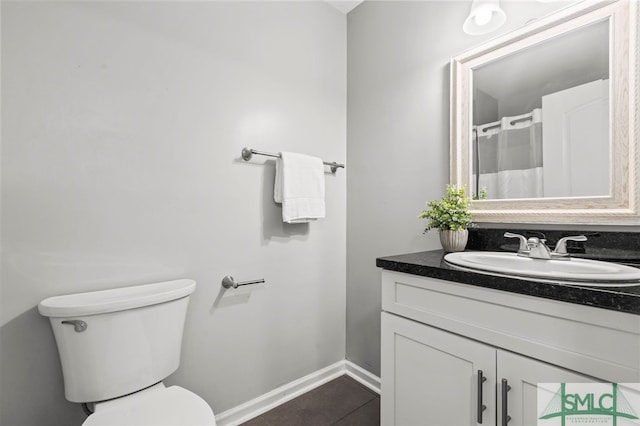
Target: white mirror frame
x=622 y=207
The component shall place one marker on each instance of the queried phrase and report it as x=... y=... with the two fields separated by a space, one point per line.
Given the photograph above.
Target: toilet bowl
x=117 y=346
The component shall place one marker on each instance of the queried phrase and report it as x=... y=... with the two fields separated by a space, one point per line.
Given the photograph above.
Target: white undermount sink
x=575 y=271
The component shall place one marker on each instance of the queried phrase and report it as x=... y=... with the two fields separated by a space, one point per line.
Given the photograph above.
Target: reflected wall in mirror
x=544 y=119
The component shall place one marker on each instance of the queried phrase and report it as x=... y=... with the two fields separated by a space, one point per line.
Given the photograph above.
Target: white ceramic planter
x=453 y=241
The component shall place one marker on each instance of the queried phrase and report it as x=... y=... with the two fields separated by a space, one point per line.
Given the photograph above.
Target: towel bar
x=247 y=153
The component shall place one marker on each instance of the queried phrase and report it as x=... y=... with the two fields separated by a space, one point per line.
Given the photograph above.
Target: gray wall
x=398 y=138
x=123 y=124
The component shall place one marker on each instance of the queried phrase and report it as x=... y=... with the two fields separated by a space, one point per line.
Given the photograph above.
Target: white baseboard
x=363 y=376
x=284 y=393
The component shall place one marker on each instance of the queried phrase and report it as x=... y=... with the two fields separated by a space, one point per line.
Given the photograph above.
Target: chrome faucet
x=536 y=248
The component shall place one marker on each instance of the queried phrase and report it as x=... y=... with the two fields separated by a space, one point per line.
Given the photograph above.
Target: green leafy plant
x=483 y=195
x=450 y=213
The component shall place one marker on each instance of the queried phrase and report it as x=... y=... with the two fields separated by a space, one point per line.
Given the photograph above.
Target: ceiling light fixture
x=485 y=16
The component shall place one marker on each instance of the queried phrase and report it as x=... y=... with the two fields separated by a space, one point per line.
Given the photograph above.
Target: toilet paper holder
x=230 y=282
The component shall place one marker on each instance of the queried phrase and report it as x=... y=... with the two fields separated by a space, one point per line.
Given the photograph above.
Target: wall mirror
x=544 y=119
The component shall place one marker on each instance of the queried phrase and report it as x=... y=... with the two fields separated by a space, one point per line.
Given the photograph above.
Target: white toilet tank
x=115 y=342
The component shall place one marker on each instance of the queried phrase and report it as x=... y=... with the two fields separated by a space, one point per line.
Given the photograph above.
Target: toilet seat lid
x=155 y=406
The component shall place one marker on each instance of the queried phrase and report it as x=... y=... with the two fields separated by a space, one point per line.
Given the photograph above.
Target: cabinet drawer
x=597 y=342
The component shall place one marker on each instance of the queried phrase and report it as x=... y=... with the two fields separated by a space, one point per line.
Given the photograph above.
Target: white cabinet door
x=431 y=377
x=523 y=374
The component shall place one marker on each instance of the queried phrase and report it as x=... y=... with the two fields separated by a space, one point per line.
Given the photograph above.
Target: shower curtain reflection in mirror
x=508 y=158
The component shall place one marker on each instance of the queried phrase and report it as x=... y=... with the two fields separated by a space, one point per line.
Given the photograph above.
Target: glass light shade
x=485 y=16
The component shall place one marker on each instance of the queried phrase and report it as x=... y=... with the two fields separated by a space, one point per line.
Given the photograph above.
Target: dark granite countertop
x=432 y=264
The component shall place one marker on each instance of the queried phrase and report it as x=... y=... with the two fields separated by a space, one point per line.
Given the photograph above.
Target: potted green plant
x=450 y=216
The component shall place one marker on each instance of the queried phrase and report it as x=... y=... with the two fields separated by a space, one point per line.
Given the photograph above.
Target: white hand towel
x=299 y=186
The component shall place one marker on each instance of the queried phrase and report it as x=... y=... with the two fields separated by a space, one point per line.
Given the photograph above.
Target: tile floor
x=340 y=402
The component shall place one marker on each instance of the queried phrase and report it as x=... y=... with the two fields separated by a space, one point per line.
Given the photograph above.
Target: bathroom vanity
x=461 y=347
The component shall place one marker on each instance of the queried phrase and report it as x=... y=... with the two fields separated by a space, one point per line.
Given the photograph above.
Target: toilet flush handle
x=78 y=325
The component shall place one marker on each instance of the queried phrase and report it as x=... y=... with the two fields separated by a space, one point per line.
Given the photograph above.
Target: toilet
x=116 y=346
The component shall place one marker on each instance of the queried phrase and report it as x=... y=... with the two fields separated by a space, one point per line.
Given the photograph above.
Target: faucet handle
x=561 y=245
x=523 y=241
